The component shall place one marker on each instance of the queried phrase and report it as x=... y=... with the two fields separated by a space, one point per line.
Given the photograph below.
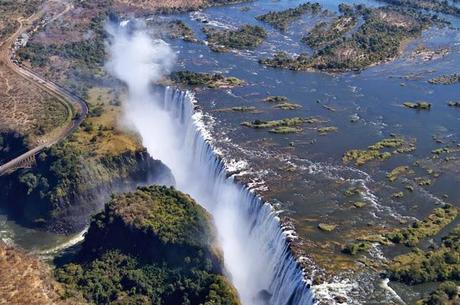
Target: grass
x=100 y=133
x=291 y=122
x=398 y=172
x=437 y=264
x=378 y=151
x=245 y=37
x=282 y=19
x=418 y=105
x=429 y=227
x=285 y=130
x=210 y=80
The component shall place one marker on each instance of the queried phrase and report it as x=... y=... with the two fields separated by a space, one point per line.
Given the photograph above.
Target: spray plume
x=257 y=257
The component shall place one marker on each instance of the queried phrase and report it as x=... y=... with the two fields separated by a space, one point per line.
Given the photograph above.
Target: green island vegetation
x=327 y=129
x=282 y=102
x=379 y=38
x=398 y=172
x=397 y=195
x=453 y=103
x=352 y=191
x=210 y=80
x=423 y=181
x=430 y=226
x=285 y=130
x=327 y=227
x=245 y=37
x=410 y=236
x=278 y=126
x=359 y=204
x=327 y=32
x=436 y=264
x=377 y=151
x=287 y=106
x=239 y=109
x=445 y=294
x=418 y=105
x=445 y=79
x=177 y=29
x=281 y=20
x=170 y=258
x=438 y=6
x=276 y=99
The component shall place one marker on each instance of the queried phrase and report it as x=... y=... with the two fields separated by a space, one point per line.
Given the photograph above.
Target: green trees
x=152 y=246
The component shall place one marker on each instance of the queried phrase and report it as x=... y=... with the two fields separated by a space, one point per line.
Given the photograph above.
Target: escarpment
x=67 y=186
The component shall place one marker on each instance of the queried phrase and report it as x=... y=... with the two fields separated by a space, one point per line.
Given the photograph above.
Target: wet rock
x=340 y=299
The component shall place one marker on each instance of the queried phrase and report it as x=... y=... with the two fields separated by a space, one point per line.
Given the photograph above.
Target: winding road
x=52 y=88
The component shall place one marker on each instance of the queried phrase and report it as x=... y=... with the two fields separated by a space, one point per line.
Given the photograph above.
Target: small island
x=210 y=80
x=245 y=37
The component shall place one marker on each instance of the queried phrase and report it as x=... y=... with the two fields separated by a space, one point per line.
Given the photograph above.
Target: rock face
x=66 y=187
x=26 y=280
x=152 y=246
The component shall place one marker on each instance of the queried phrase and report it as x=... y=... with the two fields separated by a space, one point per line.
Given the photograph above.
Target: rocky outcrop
x=152 y=246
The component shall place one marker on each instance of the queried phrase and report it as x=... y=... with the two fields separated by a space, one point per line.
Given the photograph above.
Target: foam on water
x=257 y=255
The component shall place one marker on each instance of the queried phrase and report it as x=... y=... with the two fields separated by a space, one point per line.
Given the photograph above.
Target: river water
x=302 y=174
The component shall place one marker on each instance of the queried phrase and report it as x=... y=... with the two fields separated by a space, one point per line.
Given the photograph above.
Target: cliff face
x=67 y=187
x=153 y=246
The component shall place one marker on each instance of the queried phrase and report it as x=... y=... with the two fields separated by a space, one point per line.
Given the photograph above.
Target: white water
x=256 y=252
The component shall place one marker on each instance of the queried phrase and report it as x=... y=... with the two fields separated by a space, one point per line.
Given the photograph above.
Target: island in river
x=342 y=116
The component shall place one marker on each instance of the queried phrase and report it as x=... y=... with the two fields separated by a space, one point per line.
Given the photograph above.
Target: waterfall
x=256 y=253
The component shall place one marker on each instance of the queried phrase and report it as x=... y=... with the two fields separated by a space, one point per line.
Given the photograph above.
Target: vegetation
x=398 y=172
x=328 y=129
x=276 y=99
x=285 y=130
x=418 y=105
x=282 y=102
x=327 y=227
x=67 y=185
x=10 y=10
x=282 y=19
x=246 y=37
x=439 y=264
x=430 y=226
x=445 y=79
x=11 y=145
x=28 y=280
x=288 y=106
x=446 y=294
x=327 y=32
x=178 y=29
x=292 y=122
x=378 y=151
x=379 y=38
x=169 y=259
x=438 y=6
x=355 y=248
x=210 y=80
x=89 y=52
